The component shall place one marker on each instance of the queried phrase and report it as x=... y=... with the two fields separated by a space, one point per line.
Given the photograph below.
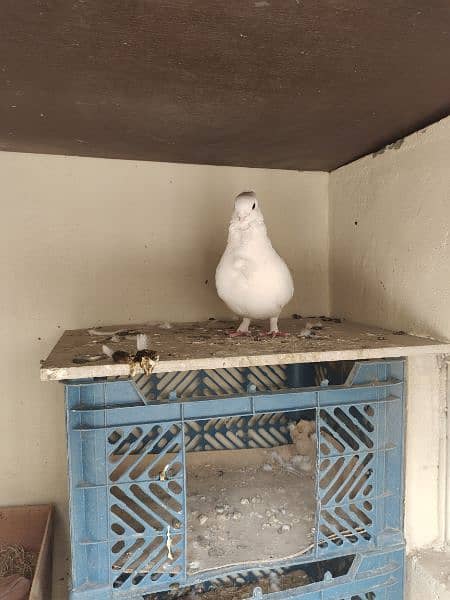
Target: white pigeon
x=251 y=278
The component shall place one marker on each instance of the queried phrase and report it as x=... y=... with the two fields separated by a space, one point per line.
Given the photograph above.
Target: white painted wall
x=390 y=266
x=389 y=235
x=87 y=242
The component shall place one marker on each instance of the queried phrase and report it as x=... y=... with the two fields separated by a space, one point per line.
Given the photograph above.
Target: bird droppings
x=314 y=324
x=306 y=333
x=82 y=359
x=143 y=357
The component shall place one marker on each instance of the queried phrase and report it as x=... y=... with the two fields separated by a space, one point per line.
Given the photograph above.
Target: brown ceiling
x=295 y=84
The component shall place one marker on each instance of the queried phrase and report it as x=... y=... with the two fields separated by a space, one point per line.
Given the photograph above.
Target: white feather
x=251 y=278
x=142 y=341
x=107 y=350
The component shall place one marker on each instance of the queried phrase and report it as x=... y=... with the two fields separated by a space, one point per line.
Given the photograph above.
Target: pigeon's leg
x=274 y=325
x=242 y=329
x=274 y=331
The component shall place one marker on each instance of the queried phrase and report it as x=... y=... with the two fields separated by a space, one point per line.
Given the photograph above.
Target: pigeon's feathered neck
x=253 y=226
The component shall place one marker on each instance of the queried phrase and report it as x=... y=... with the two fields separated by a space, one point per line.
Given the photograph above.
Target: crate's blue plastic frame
x=112 y=424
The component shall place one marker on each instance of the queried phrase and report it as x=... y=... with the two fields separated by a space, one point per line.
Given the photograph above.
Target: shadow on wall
x=360 y=299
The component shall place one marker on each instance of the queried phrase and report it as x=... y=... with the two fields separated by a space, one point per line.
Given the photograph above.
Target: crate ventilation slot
x=211 y=382
x=267 y=430
x=347 y=429
x=149 y=452
x=137 y=560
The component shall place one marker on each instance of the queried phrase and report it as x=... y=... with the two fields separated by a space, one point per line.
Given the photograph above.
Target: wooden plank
x=206 y=345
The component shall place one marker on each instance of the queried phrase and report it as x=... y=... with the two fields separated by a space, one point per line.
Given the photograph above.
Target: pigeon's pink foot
x=238 y=333
x=242 y=330
x=274 y=334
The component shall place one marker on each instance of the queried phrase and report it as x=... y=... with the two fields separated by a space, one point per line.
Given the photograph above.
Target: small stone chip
x=256 y=500
x=202 y=519
x=284 y=528
x=245 y=501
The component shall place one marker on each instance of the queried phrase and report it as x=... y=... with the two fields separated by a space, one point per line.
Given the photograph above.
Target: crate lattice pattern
x=266 y=430
x=151 y=510
x=347 y=437
x=211 y=382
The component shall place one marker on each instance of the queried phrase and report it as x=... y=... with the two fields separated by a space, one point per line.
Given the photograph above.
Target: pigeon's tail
x=142 y=341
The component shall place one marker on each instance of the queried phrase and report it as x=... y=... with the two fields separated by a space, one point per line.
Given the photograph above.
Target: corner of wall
x=330 y=219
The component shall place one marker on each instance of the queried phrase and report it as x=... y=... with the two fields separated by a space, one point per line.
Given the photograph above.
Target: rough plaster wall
x=389 y=235
x=389 y=245
x=428 y=576
x=425 y=436
x=88 y=242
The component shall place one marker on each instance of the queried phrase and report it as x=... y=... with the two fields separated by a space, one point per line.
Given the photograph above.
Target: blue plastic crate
x=128 y=441
x=375 y=575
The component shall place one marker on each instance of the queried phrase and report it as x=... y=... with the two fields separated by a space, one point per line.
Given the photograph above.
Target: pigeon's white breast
x=253 y=280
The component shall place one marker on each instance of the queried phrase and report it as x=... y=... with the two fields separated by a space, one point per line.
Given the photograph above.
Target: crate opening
x=241 y=586
x=251 y=495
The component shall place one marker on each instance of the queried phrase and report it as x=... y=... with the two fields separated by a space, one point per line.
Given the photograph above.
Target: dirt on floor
x=245 y=506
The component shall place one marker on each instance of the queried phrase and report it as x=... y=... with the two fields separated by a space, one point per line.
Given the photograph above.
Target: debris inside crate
x=254 y=502
x=239 y=589
x=241 y=586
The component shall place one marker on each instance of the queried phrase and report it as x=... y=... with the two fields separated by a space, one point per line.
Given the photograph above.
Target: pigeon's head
x=246 y=209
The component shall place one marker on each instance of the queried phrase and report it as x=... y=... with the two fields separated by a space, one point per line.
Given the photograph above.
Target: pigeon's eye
x=254 y=205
